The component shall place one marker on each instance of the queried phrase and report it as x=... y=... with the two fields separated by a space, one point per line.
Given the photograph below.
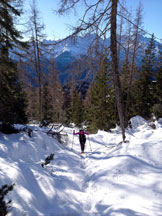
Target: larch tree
x=56 y=93
x=136 y=32
x=46 y=104
x=35 y=53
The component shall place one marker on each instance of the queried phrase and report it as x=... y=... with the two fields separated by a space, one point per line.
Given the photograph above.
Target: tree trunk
x=38 y=72
x=114 y=56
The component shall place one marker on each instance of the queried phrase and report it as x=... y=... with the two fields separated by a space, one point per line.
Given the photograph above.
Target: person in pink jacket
x=82 y=139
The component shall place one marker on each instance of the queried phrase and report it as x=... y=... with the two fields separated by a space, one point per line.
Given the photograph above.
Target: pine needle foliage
x=78 y=110
x=12 y=103
x=157 y=107
x=100 y=100
x=143 y=88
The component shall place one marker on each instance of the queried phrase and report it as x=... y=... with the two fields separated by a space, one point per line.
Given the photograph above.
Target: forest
x=119 y=88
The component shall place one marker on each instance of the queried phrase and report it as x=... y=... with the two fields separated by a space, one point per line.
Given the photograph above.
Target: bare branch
x=70 y=4
x=141 y=29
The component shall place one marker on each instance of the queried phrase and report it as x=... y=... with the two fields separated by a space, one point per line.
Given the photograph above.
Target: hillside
x=69 y=55
x=113 y=179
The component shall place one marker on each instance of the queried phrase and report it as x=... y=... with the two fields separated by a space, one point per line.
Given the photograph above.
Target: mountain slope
x=69 y=53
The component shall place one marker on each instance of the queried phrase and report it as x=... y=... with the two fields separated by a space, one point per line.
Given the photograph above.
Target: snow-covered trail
x=112 y=180
x=123 y=179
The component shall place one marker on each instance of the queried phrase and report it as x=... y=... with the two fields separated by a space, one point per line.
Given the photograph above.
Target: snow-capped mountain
x=77 y=47
x=80 y=45
x=70 y=51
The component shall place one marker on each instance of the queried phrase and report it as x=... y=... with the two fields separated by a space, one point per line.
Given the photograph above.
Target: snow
x=115 y=179
x=77 y=47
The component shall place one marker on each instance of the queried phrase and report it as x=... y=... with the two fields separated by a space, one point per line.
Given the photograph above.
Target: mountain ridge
x=68 y=53
x=80 y=45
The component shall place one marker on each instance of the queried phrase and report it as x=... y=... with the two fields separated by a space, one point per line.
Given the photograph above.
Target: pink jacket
x=81 y=132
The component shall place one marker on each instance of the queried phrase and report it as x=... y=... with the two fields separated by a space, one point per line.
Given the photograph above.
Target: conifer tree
x=12 y=103
x=9 y=35
x=158 y=86
x=77 y=110
x=70 y=95
x=100 y=101
x=160 y=55
x=157 y=107
x=143 y=91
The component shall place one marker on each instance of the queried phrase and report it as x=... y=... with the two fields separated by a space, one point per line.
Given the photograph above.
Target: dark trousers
x=82 y=145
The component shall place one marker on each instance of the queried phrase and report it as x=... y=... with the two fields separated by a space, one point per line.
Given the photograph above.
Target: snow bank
x=112 y=179
x=138 y=121
x=20 y=163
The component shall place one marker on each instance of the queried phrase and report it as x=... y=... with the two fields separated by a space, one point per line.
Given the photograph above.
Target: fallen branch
x=48 y=160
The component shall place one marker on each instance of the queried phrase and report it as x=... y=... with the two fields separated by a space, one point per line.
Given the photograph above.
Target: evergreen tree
x=100 y=101
x=157 y=107
x=160 y=54
x=148 y=62
x=158 y=85
x=70 y=96
x=9 y=35
x=77 y=110
x=12 y=103
x=143 y=90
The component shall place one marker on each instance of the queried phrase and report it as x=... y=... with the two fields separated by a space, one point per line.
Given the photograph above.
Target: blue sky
x=58 y=26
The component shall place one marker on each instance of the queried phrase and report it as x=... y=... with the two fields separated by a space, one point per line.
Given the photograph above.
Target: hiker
x=82 y=139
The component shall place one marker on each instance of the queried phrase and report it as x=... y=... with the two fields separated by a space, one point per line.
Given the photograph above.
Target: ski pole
x=73 y=139
x=89 y=144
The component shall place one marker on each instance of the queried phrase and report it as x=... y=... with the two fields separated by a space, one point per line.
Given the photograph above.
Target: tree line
x=120 y=88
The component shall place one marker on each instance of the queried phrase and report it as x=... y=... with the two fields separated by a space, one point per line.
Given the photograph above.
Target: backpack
x=82 y=138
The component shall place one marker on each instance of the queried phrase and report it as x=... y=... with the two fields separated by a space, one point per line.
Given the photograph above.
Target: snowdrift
x=113 y=179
